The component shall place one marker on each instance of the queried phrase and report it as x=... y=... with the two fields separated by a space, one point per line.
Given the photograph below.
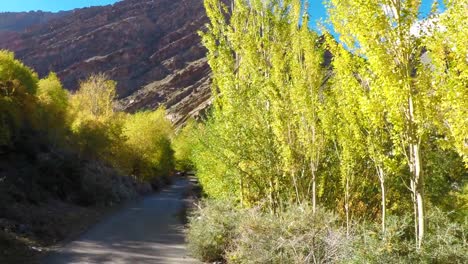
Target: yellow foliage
x=148 y=137
x=18 y=85
x=183 y=145
x=96 y=126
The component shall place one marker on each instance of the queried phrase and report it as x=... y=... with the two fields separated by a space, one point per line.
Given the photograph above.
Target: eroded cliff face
x=150 y=47
x=21 y=21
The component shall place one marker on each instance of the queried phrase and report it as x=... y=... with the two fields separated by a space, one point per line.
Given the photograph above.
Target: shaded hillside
x=151 y=48
x=20 y=21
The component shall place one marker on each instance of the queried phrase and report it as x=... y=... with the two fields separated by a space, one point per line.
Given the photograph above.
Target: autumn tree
x=265 y=121
x=53 y=100
x=183 y=145
x=18 y=85
x=447 y=44
x=148 y=136
x=380 y=32
x=95 y=124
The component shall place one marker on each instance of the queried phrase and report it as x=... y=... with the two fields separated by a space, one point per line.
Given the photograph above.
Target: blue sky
x=316 y=6
x=48 y=5
x=317 y=9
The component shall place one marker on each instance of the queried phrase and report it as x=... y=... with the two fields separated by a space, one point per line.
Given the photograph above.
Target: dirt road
x=147 y=231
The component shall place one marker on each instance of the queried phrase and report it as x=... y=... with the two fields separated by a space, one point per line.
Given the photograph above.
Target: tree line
x=367 y=124
x=84 y=122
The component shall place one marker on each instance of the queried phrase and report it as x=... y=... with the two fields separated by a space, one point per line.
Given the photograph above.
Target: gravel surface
x=148 y=231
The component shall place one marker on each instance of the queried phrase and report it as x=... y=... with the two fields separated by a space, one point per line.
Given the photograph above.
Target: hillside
x=21 y=21
x=151 y=48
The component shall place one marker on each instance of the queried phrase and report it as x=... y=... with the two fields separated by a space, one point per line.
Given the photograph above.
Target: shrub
x=212 y=229
x=370 y=245
x=445 y=242
x=295 y=236
x=219 y=231
x=103 y=185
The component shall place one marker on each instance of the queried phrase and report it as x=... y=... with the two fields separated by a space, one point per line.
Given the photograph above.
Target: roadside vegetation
x=84 y=122
x=70 y=150
x=323 y=149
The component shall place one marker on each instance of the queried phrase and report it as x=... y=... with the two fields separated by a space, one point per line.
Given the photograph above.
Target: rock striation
x=150 y=47
x=21 y=21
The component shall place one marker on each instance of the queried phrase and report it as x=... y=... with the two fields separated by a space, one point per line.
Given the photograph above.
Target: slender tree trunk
x=418 y=194
x=347 y=206
x=296 y=188
x=273 y=202
x=242 y=190
x=415 y=210
x=314 y=187
x=382 y=191
x=417 y=186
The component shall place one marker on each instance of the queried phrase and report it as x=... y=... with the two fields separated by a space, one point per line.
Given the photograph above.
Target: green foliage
x=447 y=49
x=77 y=147
x=138 y=144
x=215 y=173
x=265 y=126
x=378 y=133
x=51 y=93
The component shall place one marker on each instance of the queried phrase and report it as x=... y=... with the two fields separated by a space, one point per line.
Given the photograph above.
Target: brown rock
x=150 y=47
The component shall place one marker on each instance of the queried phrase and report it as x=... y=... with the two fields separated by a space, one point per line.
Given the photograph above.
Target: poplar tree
x=447 y=44
x=265 y=98
x=380 y=32
x=343 y=123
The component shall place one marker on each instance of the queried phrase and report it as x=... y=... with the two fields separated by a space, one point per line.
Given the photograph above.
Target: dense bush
x=446 y=242
x=103 y=185
x=212 y=230
x=295 y=236
x=77 y=147
x=219 y=231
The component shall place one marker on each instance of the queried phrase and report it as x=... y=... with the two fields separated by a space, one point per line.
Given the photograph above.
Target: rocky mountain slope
x=21 y=21
x=150 y=47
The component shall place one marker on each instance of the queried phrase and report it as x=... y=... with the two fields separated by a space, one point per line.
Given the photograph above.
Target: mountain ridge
x=150 y=47
x=22 y=21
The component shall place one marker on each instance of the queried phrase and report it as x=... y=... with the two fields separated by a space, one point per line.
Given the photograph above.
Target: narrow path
x=147 y=231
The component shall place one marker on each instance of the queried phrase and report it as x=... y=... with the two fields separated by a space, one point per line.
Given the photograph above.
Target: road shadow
x=147 y=231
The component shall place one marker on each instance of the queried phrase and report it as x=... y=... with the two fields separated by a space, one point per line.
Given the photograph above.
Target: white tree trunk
x=417 y=184
x=314 y=188
x=347 y=206
x=382 y=191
